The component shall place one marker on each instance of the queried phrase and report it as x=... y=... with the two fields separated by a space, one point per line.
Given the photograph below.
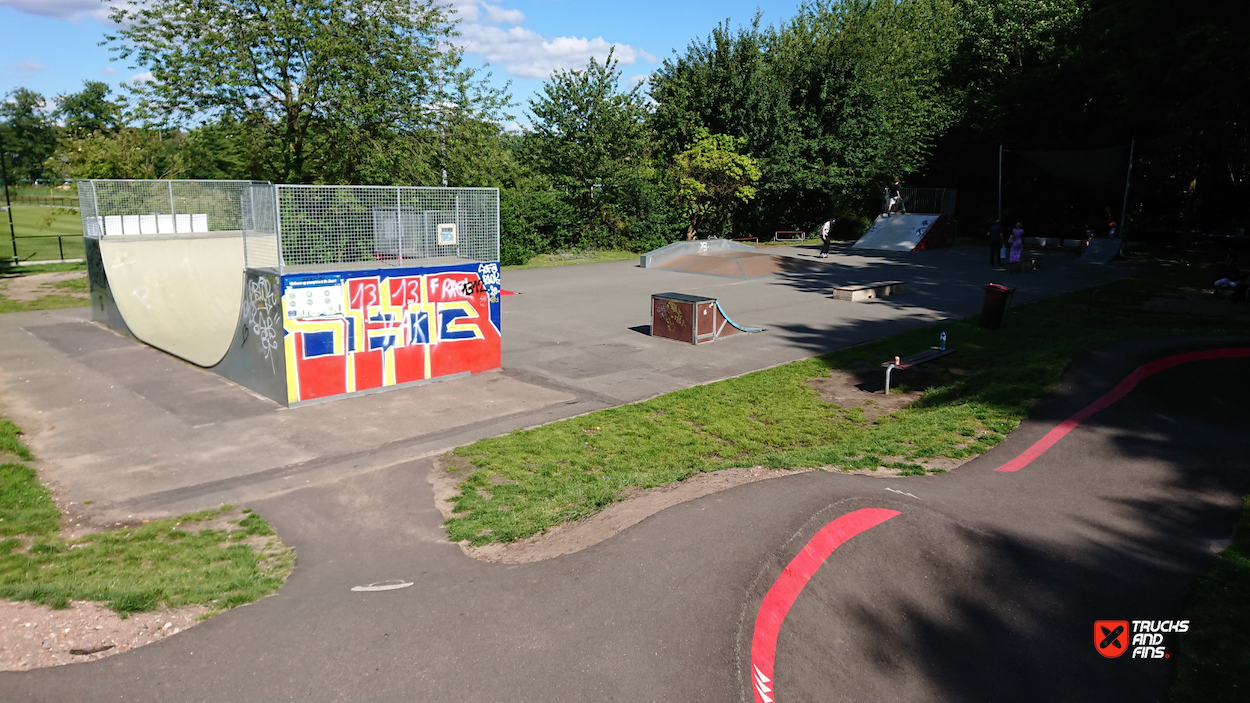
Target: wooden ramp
x=737 y=264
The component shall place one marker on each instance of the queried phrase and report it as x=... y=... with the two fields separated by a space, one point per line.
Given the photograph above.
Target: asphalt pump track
x=975 y=585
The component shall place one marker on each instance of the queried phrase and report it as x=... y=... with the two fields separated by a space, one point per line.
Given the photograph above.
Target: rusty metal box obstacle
x=689 y=318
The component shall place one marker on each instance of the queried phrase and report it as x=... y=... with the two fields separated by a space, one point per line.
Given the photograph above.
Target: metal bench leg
x=888 y=369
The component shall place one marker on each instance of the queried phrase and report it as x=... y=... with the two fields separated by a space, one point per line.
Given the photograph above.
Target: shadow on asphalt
x=999 y=603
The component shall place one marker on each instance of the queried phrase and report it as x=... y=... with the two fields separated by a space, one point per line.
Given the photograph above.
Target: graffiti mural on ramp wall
x=354 y=331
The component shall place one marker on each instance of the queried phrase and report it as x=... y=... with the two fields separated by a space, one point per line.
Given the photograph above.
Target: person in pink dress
x=1017 y=243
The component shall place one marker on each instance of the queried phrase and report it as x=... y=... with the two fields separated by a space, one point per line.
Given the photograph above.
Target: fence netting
x=121 y=208
x=324 y=228
x=304 y=228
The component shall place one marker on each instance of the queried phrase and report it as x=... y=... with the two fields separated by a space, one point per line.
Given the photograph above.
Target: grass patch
x=78 y=287
x=203 y=558
x=47 y=302
x=37 y=228
x=1213 y=660
x=574 y=256
x=9 y=270
x=525 y=482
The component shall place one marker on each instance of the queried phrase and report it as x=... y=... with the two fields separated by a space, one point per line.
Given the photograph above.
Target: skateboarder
x=996 y=243
x=894 y=198
x=824 y=237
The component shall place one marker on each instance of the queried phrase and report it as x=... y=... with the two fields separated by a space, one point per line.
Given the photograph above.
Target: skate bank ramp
x=179 y=294
x=1100 y=250
x=906 y=233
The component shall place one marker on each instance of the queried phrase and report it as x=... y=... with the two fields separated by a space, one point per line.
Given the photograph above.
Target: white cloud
x=145 y=77
x=524 y=53
x=60 y=9
x=27 y=66
x=106 y=72
x=498 y=14
x=494 y=32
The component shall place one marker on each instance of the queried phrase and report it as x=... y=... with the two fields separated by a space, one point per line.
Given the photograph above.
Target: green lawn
x=56 y=293
x=216 y=558
x=37 y=229
x=575 y=256
x=1213 y=663
x=525 y=482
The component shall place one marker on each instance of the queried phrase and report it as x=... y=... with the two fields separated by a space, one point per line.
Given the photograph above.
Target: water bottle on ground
x=943 y=340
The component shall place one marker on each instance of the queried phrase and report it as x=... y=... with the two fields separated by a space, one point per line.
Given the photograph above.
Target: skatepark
x=979 y=571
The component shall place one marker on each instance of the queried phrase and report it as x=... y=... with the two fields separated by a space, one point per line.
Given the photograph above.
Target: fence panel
x=325 y=228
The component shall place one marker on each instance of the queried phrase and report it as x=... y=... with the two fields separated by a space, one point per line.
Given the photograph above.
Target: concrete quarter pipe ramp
x=300 y=293
x=181 y=295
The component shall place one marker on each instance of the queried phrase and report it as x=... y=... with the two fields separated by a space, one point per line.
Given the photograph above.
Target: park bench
x=880 y=289
x=917 y=359
x=747 y=239
x=791 y=236
x=1024 y=265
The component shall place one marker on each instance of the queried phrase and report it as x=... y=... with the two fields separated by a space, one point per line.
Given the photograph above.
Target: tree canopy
x=321 y=80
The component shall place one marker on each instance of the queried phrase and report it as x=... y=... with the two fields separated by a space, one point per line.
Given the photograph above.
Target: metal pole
x=1000 y=182
x=1127 y=176
x=172 y=213
x=4 y=176
x=277 y=227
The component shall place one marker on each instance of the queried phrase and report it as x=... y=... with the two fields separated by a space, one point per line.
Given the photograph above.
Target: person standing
x=996 y=243
x=1017 y=243
x=894 y=199
x=825 y=230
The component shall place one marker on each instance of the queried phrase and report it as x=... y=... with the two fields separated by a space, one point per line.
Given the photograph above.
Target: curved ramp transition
x=182 y=295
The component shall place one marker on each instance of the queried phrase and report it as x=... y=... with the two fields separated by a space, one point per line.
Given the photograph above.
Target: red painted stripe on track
x=1138 y=375
x=791 y=582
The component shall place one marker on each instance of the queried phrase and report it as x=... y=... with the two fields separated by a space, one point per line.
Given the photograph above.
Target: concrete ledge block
x=880 y=289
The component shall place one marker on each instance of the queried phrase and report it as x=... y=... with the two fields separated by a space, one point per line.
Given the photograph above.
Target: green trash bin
x=994 y=308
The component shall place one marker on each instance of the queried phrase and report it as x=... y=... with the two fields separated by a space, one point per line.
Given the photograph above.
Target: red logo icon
x=1111 y=637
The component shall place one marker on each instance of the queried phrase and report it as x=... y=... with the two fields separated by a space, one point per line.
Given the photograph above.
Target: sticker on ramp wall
x=314 y=297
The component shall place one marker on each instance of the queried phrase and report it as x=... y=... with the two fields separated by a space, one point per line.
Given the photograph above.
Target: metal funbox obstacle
x=300 y=293
x=691 y=318
x=928 y=223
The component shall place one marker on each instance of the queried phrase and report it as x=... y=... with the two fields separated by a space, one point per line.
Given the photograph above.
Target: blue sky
x=51 y=46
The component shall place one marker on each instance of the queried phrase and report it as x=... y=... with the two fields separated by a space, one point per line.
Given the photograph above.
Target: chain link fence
x=923 y=201
x=118 y=208
x=290 y=228
x=329 y=228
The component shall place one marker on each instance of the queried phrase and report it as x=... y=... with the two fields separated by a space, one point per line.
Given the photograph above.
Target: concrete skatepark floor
x=140 y=433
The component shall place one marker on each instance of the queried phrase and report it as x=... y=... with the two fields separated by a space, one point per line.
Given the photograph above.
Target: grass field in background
x=527 y=481
x=173 y=562
x=36 y=229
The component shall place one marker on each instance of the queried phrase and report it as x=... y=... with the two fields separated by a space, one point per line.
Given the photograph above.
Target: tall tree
x=89 y=110
x=587 y=129
x=326 y=79
x=711 y=177
x=29 y=134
